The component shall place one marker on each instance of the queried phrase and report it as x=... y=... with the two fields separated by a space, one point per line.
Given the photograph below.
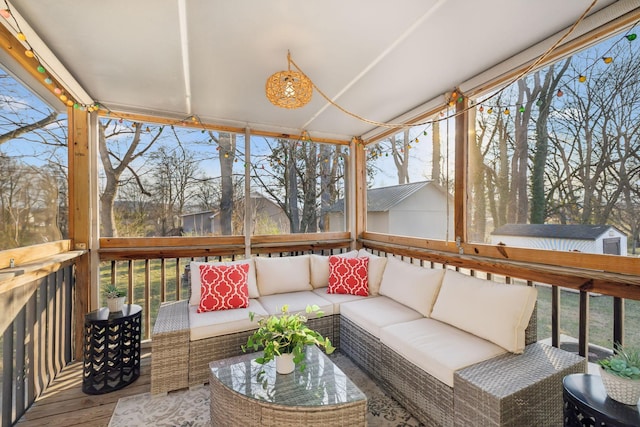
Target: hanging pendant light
x=289 y=89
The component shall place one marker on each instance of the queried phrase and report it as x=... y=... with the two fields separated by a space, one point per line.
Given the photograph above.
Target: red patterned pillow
x=223 y=287
x=348 y=276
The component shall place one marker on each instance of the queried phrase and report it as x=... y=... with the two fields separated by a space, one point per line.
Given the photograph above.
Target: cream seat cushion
x=223 y=322
x=371 y=314
x=337 y=299
x=320 y=268
x=297 y=302
x=196 y=283
x=412 y=285
x=496 y=312
x=278 y=275
x=437 y=348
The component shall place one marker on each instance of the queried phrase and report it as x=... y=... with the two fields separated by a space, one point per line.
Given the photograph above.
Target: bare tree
x=119 y=145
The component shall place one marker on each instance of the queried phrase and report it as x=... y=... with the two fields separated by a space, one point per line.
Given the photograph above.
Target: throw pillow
x=196 y=284
x=223 y=287
x=320 y=268
x=348 y=276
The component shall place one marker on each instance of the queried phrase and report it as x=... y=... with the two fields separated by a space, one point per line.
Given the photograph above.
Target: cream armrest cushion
x=496 y=312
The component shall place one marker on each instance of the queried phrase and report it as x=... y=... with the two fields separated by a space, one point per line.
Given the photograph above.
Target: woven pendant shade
x=289 y=89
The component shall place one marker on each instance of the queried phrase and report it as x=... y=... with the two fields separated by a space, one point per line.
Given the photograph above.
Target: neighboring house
x=267 y=218
x=198 y=223
x=417 y=209
x=593 y=239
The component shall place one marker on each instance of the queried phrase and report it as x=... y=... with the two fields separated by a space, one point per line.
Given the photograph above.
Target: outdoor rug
x=190 y=408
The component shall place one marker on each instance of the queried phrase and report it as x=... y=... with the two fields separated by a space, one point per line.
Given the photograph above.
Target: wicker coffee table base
x=232 y=409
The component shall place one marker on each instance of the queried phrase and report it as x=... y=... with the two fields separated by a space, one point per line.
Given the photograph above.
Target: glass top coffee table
x=245 y=393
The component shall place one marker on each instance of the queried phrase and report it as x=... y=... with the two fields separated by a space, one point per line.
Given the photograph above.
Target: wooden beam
x=16 y=50
x=608 y=283
x=31 y=253
x=606 y=263
x=197 y=124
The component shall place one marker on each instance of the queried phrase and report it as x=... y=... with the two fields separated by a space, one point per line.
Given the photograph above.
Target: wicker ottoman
x=515 y=390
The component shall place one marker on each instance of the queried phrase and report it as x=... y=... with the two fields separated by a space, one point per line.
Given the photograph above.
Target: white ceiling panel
x=379 y=59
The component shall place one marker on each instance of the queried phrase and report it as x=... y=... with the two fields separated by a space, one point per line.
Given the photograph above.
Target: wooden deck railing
x=36 y=302
x=156 y=274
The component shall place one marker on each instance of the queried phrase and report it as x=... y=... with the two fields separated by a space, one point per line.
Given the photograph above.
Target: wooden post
x=357 y=182
x=461 y=172
x=80 y=216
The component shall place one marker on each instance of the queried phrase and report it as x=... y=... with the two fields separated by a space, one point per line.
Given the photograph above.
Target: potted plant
x=284 y=338
x=115 y=297
x=621 y=375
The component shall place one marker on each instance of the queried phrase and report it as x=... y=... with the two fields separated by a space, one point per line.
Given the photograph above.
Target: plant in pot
x=621 y=375
x=115 y=297
x=284 y=337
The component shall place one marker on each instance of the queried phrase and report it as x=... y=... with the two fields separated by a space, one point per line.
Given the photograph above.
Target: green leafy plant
x=112 y=291
x=624 y=363
x=286 y=333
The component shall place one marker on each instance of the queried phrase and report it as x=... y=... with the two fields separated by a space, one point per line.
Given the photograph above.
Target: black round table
x=111 y=349
x=586 y=404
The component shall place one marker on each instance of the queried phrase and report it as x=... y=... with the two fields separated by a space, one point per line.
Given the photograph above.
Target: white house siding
x=558 y=244
x=422 y=215
x=378 y=222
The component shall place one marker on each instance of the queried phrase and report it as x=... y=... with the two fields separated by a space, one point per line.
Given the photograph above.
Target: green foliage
x=112 y=291
x=286 y=333
x=624 y=363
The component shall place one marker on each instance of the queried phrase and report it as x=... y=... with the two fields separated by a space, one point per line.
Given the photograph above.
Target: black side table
x=586 y=404
x=111 y=349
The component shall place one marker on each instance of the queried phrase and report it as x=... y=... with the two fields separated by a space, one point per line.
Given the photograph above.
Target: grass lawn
x=600 y=317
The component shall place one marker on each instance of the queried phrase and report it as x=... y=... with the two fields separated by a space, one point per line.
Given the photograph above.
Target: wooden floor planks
x=64 y=404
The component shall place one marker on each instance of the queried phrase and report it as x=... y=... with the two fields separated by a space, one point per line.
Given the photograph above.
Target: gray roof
x=384 y=198
x=563 y=231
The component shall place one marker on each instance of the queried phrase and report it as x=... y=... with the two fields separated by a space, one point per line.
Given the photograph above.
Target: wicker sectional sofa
x=450 y=347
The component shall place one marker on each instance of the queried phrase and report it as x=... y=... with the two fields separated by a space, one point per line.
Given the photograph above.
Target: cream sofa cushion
x=437 y=348
x=223 y=322
x=496 y=312
x=297 y=302
x=337 y=299
x=373 y=313
x=320 y=268
x=414 y=286
x=196 y=283
x=282 y=274
x=376 y=269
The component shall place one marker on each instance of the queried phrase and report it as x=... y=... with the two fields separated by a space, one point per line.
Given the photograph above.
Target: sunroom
x=138 y=137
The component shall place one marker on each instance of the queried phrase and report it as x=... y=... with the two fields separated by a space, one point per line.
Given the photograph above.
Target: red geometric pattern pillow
x=223 y=287
x=348 y=276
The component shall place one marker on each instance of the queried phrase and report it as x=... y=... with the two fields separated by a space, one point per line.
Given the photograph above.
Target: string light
x=30 y=53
